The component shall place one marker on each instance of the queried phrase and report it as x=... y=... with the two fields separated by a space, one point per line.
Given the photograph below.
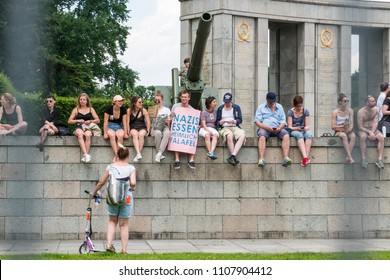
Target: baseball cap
x=228 y=97
x=118 y=98
x=271 y=96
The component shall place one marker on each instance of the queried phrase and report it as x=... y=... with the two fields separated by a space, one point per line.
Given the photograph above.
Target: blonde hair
x=78 y=100
x=8 y=96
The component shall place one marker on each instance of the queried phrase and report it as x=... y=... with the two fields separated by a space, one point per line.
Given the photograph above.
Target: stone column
x=386 y=54
x=261 y=65
x=306 y=72
x=327 y=75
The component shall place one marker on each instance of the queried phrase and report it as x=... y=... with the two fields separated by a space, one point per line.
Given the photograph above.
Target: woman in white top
x=119 y=214
x=160 y=126
x=342 y=124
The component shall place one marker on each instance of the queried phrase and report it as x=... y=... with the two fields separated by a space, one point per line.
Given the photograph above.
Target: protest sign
x=184 y=130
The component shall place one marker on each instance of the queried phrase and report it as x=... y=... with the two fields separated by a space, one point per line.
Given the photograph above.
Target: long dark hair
x=133 y=101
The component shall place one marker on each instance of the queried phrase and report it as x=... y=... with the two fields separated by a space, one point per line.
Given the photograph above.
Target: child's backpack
x=116 y=190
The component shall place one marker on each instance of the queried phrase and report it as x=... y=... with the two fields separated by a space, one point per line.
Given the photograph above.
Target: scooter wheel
x=84 y=249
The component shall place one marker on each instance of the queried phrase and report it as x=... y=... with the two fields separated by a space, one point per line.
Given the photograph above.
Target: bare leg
x=381 y=145
x=124 y=232
x=207 y=142
x=112 y=222
x=308 y=146
x=135 y=135
x=88 y=135
x=302 y=148
x=229 y=142
x=362 y=144
x=237 y=147
x=262 y=146
x=285 y=145
x=214 y=142
x=80 y=138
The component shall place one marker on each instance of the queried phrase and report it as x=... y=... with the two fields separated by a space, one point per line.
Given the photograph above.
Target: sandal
x=110 y=248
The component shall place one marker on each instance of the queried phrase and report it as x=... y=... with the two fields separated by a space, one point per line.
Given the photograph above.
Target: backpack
x=116 y=189
x=63 y=130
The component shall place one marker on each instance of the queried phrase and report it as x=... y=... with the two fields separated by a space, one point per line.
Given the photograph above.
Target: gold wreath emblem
x=326 y=38
x=243 y=31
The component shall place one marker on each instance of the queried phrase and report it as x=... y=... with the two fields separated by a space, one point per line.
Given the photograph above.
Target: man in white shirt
x=382 y=96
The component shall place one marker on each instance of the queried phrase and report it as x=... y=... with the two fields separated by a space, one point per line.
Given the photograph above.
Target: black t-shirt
x=110 y=112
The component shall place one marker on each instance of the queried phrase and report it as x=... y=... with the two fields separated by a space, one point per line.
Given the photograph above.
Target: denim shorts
x=266 y=134
x=301 y=134
x=123 y=211
x=114 y=126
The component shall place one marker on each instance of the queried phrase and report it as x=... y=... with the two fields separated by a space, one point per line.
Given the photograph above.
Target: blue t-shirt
x=299 y=121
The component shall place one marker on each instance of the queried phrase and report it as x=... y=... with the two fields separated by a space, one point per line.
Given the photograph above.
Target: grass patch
x=372 y=255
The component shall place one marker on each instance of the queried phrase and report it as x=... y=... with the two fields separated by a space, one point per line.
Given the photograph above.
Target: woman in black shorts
x=139 y=125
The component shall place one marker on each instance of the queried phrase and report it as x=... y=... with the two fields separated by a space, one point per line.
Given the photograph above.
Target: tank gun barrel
x=202 y=34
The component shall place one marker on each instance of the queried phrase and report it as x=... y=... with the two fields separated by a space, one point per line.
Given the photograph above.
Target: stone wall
x=42 y=194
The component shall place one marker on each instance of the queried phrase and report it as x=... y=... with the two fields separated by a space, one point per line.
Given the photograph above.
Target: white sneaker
x=137 y=157
x=83 y=158
x=158 y=157
x=162 y=157
x=87 y=158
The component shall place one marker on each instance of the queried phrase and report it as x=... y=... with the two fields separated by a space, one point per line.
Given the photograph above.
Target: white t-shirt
x=227 y=115
x=164 y=111
x=379 y=103
x=120 y=171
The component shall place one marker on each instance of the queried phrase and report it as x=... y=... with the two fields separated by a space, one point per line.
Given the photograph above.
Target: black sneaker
x=40 y=147
x=191 y=164
x=231 y=160
x=176 y=165
x=236 y=160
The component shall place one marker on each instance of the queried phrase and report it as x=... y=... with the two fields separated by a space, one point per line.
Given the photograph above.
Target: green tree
x=65 y=46
x=86 y=37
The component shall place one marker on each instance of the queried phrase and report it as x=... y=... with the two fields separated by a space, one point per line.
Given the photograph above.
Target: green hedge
x=32 y=105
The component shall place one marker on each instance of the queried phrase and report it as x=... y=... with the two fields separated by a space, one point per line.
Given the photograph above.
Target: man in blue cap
x=228 y=122
x=271 y=120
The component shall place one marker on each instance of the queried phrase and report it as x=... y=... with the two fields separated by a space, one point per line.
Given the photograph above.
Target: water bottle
x=97 y=199
x=384 y=131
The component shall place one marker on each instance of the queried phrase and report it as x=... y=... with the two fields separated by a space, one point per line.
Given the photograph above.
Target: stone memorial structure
x=291 y=47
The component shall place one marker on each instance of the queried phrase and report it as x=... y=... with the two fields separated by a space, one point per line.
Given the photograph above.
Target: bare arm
x=101 y=182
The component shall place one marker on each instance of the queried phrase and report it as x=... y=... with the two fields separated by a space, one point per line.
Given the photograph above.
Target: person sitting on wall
x=298 y=123
x=138 y=123
x=342 y=124
x=185 y=97
x=271 y=121
x=367 y=119
x=114 y=119
x=160 y=126
x=50 y=117
x=208 y=128
x=12 y=112
x=229 y=118
x=83 y=116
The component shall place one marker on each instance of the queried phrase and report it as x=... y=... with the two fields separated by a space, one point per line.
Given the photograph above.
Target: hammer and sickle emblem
x=243 y=32
x=326 y=38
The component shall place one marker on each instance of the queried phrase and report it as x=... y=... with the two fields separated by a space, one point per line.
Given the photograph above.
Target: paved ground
x=201 y=245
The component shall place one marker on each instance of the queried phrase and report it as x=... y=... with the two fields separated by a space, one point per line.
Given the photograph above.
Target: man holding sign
x=184 y=130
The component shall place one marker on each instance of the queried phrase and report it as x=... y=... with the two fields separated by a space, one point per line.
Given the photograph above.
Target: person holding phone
x=298 y=123
x=271 y=121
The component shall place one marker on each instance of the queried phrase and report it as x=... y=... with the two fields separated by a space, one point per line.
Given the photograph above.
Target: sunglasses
x=49 y=101
x=346 y=101
x=157 y=100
